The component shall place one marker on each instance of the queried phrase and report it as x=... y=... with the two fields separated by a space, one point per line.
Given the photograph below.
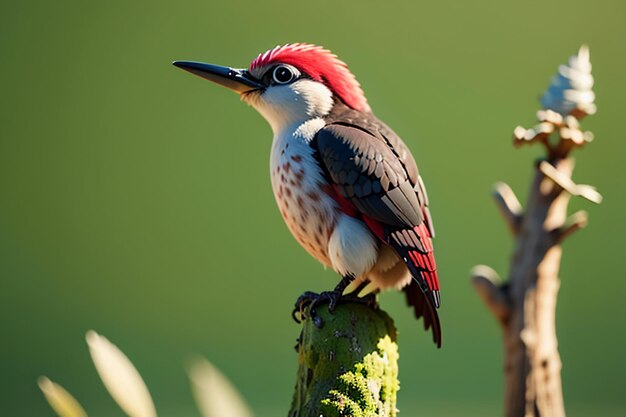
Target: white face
x=289 y=99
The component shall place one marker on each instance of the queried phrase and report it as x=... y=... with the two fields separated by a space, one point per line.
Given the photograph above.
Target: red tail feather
x=425 y=261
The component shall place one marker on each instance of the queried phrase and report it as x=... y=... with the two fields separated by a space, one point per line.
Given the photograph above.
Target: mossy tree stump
x=348 y=364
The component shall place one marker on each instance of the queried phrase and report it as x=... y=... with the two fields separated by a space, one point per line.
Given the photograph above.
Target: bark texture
x=525 y=304
x=348 y=364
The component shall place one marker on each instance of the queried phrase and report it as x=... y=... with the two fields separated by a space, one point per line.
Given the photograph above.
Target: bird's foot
x=308 y=302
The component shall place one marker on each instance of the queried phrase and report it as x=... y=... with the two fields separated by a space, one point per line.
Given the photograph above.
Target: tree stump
x=348 y=363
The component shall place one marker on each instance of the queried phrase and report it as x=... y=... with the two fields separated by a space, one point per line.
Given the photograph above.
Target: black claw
x=332 y=304
x=305 y=300
x=294 y=316
x=310 y=300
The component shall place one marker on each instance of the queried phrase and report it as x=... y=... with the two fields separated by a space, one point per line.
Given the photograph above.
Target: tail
x=415 y=247
x=423 y=308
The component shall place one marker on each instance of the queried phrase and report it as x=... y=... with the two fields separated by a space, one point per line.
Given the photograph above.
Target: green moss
x=348 y=365
x=370 y=389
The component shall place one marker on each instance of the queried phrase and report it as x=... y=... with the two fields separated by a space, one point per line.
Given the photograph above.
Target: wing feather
x=370 y=167
x=366 y=171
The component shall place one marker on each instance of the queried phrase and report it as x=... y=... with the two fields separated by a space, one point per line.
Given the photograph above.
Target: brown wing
x=383 y=184
x=365 y=170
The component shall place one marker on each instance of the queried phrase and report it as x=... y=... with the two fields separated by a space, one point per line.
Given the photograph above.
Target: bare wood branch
x=587 y=192
x=573 y=223
x=509 y=206
x=488 y=285
x=527 y=301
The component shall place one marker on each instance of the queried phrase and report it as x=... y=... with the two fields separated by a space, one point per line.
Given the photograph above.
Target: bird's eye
x=283 y=74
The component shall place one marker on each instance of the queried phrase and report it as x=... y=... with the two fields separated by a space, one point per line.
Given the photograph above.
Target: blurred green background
x=127 y=187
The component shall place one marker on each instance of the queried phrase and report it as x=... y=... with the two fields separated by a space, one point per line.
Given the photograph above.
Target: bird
x=346 y=185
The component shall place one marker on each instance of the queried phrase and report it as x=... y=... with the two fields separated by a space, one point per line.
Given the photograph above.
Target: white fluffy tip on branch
x=570 y=90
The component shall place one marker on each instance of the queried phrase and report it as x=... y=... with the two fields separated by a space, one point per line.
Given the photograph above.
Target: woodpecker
x=346 y=185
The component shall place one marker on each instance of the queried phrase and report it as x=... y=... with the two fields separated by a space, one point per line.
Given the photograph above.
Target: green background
x=135 y=198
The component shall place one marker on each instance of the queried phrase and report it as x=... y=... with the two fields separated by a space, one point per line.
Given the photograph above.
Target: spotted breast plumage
x=310 y=214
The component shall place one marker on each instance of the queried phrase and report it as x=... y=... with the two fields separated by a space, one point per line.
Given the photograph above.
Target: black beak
x=238 y=80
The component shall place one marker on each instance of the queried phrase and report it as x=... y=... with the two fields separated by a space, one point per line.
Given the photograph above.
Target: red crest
x=322 y=65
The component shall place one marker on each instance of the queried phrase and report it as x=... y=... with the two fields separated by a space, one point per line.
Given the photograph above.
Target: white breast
x=298 y=185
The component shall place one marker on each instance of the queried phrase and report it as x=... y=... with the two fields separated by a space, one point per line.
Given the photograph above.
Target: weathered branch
x=573 y=223
x=509 y=206
x=587 y=192
x=348 y=364
x=525 y=305
x=488 y=285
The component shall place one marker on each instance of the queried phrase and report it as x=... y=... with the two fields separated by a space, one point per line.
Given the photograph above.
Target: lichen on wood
x=348 y=365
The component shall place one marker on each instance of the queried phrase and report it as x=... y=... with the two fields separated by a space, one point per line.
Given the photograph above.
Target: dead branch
x=525 y=304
